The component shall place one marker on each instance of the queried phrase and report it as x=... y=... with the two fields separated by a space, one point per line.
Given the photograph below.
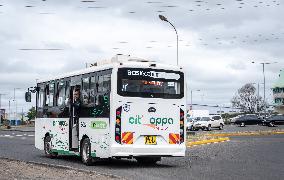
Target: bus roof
x=116 y=61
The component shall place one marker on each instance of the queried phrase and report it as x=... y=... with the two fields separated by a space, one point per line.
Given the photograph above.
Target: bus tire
x=86 y=152
x=148 y=160
x=48 y=148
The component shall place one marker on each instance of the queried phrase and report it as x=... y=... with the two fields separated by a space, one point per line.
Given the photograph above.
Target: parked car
x=273 y=120
x=189 y=124
x=249 y=119
x=208 y=123
x=218 y=121
x=233 y=119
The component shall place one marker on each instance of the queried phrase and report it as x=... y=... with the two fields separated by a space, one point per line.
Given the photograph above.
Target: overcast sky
x=218 y=41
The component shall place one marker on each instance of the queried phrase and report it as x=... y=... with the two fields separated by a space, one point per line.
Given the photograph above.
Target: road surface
x=253 y=157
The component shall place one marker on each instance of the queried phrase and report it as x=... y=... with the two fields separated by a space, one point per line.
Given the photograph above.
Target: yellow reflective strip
x=174 y=136
x=130 y=142
x=126 y=136
x=171 y=142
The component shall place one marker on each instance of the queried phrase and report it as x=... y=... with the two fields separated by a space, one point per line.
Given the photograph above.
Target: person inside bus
x=76 y=105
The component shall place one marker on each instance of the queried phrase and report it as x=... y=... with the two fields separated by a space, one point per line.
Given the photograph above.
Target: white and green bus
x=127 y=108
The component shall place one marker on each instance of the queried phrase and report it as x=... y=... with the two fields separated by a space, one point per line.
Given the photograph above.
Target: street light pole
x=264 y=99
x=191 y=97
x=163 y=18
x=263 y=71
x=9 y=109
x=15 y=102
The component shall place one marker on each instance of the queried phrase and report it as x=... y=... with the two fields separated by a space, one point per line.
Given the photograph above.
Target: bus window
x=51 y=93
x=67 y=92
x=46 y=90
x=85 y=90
x=40 y=97
x=60 y=93
x=102 y=106
x=150 y=83
x=103 y=84
x=40 y=101
x=92 y=90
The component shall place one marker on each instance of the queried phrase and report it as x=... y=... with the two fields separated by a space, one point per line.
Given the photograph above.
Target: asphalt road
x=254 y=157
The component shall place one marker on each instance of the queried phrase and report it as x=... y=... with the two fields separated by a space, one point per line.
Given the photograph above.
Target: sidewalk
x=15 y=169
x=19 y=128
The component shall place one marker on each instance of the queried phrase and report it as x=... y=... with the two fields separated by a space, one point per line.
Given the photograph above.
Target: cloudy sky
x=218 y=41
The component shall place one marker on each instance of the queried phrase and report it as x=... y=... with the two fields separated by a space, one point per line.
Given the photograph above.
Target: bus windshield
x=138 y=82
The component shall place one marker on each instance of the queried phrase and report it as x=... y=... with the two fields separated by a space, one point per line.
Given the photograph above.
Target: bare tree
x=247 y=100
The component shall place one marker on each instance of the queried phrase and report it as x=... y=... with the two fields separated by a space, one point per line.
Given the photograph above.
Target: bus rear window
x=150 y=83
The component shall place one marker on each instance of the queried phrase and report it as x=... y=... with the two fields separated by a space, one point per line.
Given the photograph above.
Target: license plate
x=150 y=140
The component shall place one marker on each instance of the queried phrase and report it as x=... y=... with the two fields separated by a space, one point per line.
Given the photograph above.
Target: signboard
x=153 y=74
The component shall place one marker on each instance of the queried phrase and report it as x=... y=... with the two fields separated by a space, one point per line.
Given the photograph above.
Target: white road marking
x=17 y=135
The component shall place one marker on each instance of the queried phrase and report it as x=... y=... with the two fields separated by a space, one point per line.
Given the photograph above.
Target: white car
x=208 y=123
x=189 y=124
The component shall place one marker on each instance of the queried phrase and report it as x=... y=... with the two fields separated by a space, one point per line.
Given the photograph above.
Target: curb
x=16 y=130
x=62 y=167
x=209 y=141
x=261 y=133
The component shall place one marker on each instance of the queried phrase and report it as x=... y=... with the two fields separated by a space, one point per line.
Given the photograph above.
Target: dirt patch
x=12 y=169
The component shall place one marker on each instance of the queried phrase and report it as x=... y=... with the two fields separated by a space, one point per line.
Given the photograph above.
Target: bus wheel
x=48 y=148
x=86 y=152
x=148 y=160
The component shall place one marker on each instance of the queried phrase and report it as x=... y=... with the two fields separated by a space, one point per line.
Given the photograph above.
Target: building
x=278 y=93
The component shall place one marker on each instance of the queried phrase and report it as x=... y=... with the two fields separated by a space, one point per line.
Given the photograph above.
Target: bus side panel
x=39 y=133
x=97 y=130
x=57 y=128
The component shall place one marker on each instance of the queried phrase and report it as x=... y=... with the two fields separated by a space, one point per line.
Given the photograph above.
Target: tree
x=247 y=100
x=31 y=114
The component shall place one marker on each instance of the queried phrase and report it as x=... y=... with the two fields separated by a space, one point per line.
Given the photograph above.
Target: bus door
x=75 y=106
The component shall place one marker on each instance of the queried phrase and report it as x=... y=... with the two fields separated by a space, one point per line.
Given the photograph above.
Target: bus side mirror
x=28 y=97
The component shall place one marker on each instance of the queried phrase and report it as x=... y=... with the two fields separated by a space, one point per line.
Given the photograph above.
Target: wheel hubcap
x=85 y=151
x=47 y=147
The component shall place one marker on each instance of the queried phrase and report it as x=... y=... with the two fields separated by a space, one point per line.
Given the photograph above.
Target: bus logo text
x=153 y=120
x=161 y=121
x=98 y=125
x=59 y=123
x=135 y=120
